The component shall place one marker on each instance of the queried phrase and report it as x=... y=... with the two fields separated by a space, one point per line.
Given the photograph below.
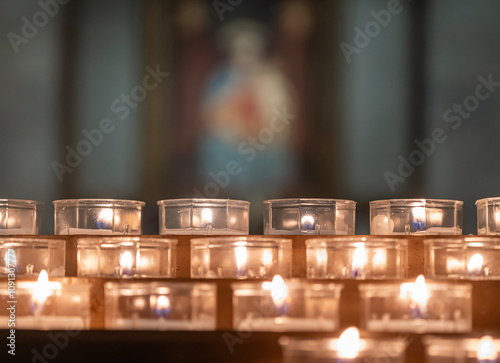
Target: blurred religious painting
x=242 y=99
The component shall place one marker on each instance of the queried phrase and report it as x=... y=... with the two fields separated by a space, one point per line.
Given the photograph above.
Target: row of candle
x=243 y=257
x=350 y=348
x=277 y=305
x=231 y=217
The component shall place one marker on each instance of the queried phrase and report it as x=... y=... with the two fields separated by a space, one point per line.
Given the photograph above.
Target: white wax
x=419 y=326
x=8 y=231
x=286 y=324
x=159 y=324
x=196 y=231
x=46 y=323
x=88 y=231
x=441 y=231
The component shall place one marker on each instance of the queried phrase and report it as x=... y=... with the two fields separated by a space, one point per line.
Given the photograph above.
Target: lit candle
x=380 y=260
x=162 y=306
x=241 y=260
x=279 y=294
x=475 y=265
x=419 y=294
x=307 y=223
x=206 y=218
x=321 y=261
x=348 y=345
x=453 y=266
x=105 y=219
x=486 y=350
x=126 y=263
x=41 y=290
x=267 y=262
x=358 y=260
x=419 y=218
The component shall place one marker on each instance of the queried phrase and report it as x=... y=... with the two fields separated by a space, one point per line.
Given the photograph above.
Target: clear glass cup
x=126 y=257
x=357 y=258
x=416 y=217
x=309 y=216
x=252 y=257
x=19 y=216
x=97 y=217
x=200 y=216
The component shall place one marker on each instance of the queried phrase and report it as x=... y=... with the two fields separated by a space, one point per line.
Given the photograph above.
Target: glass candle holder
x=468 y=257
x=98 y=216
x=357 y=258
x=309 y=216
x=20 y=216
x=488 y=216
x=46 y=305
x=416 y=217
x=294 y=305
x=461 y=350
x=240 y=257
x=28 y=256
x=126 y=257
x=204 y=216
x=160 y=306
x=417 y=307
x=349 y=348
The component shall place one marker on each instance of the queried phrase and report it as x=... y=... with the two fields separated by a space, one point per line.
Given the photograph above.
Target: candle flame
x=486 y=349
x=419 y=214
x=321 y=257
x=126 y=260
x=420 y=291
x=163 y=302
x=452 y=265
x=419 y=218
x=279 y=290
x=307 y=222
x=43 y=288
x=206 y=217
x=379 y=259
x=475 y=264
x=241 y=259
x=106 y=216
x=417 y=290
x=348 y=345
x=359 y=258
x=267 y=258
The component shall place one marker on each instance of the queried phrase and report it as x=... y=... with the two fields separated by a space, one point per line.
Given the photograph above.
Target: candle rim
x=463 y=242
x=203 y=202
x=99 y=203
x=241 y=241
x=487 y=201
x=134 y=288
x=350 y=241
x=309 y=202
x=291 y=284
x=35 y=241
x=19 y=203
x=416 y=202
x=118 y=241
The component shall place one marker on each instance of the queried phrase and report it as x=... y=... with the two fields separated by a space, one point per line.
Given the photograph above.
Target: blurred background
x=249 y=100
